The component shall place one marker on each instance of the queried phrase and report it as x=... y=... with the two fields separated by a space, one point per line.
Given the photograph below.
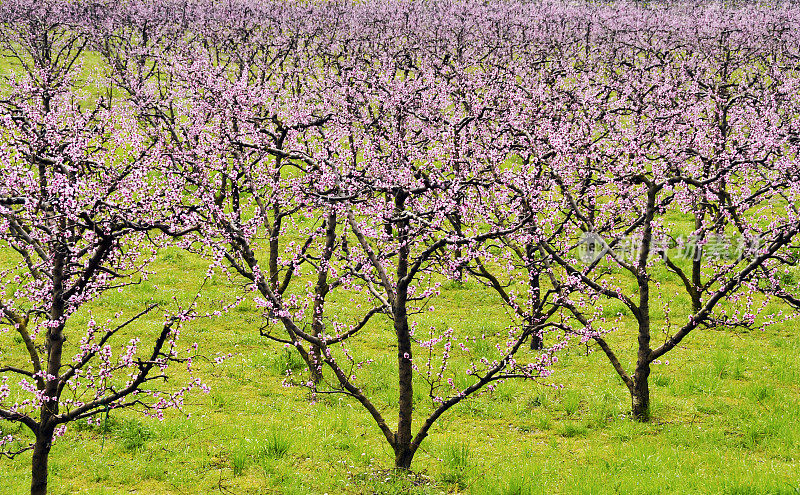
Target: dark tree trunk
x=274 y=248
x=460 y=270
x=41 y=453
x=697 y=268
x=537 y=344
x=533 y=282
x=640 y=392
x=403 y=437
x=320 y=293
x=640 y=395
x=54 y=343
x=403 y=455
x=314 y=362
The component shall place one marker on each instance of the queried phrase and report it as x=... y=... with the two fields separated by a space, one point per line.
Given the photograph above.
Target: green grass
x=724 y=410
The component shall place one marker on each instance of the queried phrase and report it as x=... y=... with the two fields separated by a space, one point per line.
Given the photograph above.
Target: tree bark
x=54 y=344
x=41 y=453
x=403 y=456
x=640 y=392
x=535 y=310
x=697 y=268
x=320 y=292
x=536 y=342
x=403 y=437
x=640 y=395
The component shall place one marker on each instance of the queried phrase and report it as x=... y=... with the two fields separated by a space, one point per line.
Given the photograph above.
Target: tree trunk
x=315 y=364
x=405 y=404
x=403 y=437
x=640 y=395
x=403 y=455
x=310 y=360
x=320 y=293
x=535 y=304
x=697 y=267
x=49 y=408
x=41 y=453
x=537 y=343
x=640 y=392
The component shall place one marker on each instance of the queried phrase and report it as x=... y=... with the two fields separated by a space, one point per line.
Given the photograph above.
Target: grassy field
x=722 y=424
